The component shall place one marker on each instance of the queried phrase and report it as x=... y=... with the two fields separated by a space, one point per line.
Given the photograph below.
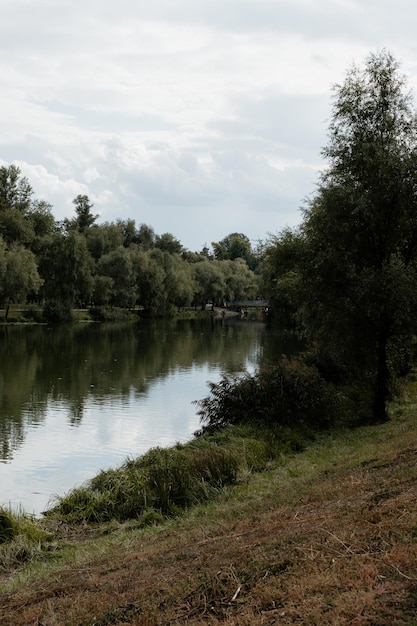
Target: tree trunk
x=382 y=380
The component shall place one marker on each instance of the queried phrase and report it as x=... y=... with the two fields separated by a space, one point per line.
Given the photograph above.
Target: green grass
x=22 y=539
x=148 y=491
x=166 y=481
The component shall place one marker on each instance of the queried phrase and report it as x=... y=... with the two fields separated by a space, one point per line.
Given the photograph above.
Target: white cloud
x=199 y=118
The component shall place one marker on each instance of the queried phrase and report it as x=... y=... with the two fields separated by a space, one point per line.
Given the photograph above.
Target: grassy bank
x=28 y=314
x=326 y=535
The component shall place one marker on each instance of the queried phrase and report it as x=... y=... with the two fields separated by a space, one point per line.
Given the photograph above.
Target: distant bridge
x=247 y=304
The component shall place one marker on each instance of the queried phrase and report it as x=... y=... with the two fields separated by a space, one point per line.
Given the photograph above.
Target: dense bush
x=289 y=394
x=55 y=312
x=109 y=314
x=33 y=314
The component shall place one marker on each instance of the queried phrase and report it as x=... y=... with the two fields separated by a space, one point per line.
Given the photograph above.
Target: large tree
x=85 y=218
x=15 y=201
x=118 y=265
x=280 y=277
x=18 y=274
x=234 y=246
x=66 y=267
x=103 y=239
x=360 y=231
x=15 y=190
x=240 y=281
x=168 y=243
x=210 y=285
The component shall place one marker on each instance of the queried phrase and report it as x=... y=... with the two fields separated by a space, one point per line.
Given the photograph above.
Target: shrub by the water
x=290 y=394
x=55 y=312
x=33 y=314
x=109 y=314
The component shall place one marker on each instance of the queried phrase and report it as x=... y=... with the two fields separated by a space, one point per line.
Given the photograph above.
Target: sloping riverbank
x=325 y=536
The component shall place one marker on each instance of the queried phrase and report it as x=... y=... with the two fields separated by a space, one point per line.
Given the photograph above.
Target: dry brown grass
x=329 y=540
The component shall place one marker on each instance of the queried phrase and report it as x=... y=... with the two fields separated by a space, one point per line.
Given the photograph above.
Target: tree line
x=79 y=262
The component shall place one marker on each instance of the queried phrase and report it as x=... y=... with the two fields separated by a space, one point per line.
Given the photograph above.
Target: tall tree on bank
x=15 y=202
x=360 y=229
x=234 y=246
x=18 y=274
x=15 y=190
x=85 y=218
x=66 y=267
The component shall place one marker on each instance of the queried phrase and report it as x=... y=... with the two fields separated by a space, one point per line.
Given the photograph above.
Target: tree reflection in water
x=96 y=378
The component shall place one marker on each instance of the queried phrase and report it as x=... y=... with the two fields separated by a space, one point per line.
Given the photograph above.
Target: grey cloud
x=290 y=126
x=67 y=26
x=201 y=202
x=194 y=143
x=114 y=121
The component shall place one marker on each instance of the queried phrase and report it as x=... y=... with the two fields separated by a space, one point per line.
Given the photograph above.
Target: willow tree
x=360 y=232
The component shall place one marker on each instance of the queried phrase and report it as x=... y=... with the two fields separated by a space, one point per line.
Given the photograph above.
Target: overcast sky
x=197 y=117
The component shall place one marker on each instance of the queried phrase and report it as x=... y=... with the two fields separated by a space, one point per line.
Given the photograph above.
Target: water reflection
x=79 y=398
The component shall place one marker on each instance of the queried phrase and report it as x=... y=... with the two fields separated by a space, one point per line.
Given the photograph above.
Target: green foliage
x=41 y=218
x=281 y=277
x=347 y=278
x=117 y=265
x=150 y=517
x=34 y=314
x=103 y=239
x=150 y=276
x=78 y=262
x=84 y=218
x=355 y=282
x=240 y=281
x=109 y=314
x=66 y=268
x=103 y=289
x=129 y=232
x=15 y=190
x=209 y=281
x=168 y=243
x=146 y=237
x=15 y=228
x=289 y=394
x=18 y=274
x=57 y=312
x=235 y=246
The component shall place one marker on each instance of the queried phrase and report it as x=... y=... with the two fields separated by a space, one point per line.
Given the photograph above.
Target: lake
x=76 y=399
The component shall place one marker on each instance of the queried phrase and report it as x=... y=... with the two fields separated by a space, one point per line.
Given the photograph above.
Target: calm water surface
x=77 y=399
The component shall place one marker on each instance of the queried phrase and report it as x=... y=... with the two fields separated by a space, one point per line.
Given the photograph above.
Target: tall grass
x=165 y=481
x=21 y=539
